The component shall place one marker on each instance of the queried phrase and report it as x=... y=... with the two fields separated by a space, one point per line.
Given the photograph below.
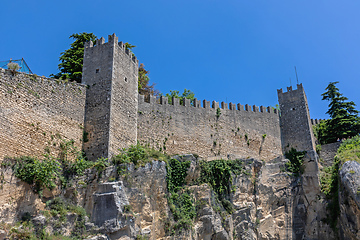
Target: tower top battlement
x=289 y=89
x=113 y=40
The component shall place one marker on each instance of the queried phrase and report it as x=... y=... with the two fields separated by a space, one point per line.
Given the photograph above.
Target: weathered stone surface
x=350 y=179
x=3 y=234
x=109 y=202
x=35 y=112
x=99 y=237
x=349 y=200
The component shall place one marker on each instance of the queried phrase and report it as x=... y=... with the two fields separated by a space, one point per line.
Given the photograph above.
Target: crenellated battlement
x=206 y=104
x=290 y=89
x=112 y=41
x=316 y=121
x=114 y=115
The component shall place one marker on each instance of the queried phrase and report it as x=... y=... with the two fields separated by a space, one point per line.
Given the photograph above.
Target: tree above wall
x=71 y=60
x=344 y=121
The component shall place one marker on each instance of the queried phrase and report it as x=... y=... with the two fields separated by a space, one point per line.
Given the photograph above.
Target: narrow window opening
x=125 y=79
x=97 y=70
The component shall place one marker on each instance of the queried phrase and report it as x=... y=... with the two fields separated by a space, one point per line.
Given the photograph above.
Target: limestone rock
x=99 y=237
x=349 y=199
x=350 y=178
x=3 y=234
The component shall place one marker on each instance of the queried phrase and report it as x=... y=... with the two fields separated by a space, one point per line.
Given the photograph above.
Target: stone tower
x=296 y=132
x=295 y=123
x=111 y=73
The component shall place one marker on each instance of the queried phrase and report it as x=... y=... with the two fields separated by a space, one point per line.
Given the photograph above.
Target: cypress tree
x=344 y=121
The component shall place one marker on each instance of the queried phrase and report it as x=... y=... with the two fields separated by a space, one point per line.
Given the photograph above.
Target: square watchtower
x=295 y=124
x=111 y=73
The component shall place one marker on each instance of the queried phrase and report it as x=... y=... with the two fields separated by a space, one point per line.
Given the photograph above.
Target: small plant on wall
x=13 y=67
x=218 y=113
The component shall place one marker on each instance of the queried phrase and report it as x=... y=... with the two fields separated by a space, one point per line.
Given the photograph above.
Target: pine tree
x=344 y=121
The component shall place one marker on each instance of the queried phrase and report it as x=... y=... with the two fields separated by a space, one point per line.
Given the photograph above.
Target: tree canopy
x=344 y=121
x=144 y=87
x=186 y=94
x=71 y=60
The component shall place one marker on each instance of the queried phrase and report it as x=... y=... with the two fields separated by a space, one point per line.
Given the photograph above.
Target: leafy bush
x=176 y=174
x=24 y=231
x=136 y=154
x=180 y=201
x=329 y=180
x=39 y=174
x=13 y=66
x=295 y=165
x=349 y=150
x=217 y=173
x=182 y=206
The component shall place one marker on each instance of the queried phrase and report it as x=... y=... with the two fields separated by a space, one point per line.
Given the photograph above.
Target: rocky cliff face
x=263 y=202
x=261 y=197
x=349 y=200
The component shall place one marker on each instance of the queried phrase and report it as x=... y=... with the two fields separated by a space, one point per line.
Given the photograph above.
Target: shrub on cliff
x=349 y=150
x=295 y=164
x=39 y=174
x=180 y=201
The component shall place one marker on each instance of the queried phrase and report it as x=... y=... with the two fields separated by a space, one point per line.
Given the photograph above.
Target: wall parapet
x=162 y=100
x=316 y=121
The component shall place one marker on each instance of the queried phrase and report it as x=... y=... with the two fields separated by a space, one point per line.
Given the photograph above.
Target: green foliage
x=344 y=121
x=218 y=113
x=329 y=180
x=59 y=208
x=318 y=149
x=129 y=46
x=101 y=164
x=217 y=173
x=135 y=154
x=141 y=237
x=183 y=209
x=295 y=165
x=39 y=174
x=349 y=150
x=180 y=201
x=186 y=94
x=176 y=174
x=85 y=136
x=71 y=60
x=138 y=155
x=144 y=87
x=24 y=231
x=127 y=208
x=49 y=171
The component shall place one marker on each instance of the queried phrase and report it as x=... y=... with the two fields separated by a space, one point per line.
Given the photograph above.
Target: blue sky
x=237 y=51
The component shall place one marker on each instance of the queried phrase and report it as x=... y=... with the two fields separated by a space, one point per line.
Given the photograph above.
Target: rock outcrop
x=349 y=200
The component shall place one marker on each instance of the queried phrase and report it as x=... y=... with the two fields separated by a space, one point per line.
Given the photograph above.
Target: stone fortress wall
x=114 y=116
x=212 y=132
x=38 y=113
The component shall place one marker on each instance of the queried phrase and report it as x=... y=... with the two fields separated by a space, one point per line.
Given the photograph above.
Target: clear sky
x=237 y=51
